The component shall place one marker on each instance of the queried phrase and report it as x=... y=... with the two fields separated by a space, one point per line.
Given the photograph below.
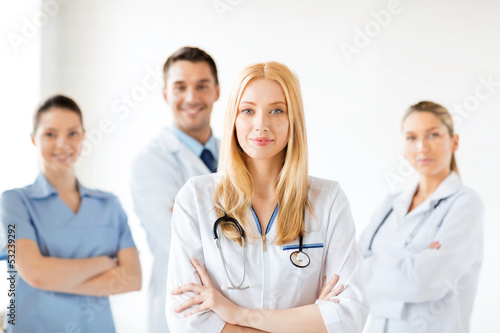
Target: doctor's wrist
x=107 y=262
x=253 y=318
x=245 y=317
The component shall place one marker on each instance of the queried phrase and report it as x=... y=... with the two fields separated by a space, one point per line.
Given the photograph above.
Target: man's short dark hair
x=192 y=54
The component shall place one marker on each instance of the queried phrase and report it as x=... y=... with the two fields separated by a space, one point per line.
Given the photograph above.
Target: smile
x=63 y=158
x=193 y=111
x=261 y=141
x=425 y=161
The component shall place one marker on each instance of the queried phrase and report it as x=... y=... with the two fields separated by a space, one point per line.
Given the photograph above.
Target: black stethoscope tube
x=298 y=258
x=378 y=228
x=227 y=219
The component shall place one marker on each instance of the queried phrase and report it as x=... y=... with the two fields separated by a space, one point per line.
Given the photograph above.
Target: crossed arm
x=430 y=274
x=213 y=312
x=304 y=319
x=97 y=276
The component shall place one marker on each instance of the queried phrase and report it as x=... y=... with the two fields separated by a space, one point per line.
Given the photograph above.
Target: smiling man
x=185 y=149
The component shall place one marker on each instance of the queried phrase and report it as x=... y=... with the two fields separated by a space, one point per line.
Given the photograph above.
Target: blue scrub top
x=99 y=228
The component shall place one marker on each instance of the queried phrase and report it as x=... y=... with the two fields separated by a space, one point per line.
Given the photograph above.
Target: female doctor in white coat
x=423 y=248
x=295 y=230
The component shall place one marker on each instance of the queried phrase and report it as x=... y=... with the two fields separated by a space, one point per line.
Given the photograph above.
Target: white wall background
x=103 y=52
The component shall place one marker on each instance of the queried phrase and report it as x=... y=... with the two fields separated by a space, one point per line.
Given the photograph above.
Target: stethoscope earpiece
x=226 y=287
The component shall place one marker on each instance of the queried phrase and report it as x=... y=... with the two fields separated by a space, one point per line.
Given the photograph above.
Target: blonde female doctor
x=423 y=248
x=252 y=245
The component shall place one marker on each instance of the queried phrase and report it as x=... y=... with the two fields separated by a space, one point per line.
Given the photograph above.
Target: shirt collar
x=194 y=145
x=86 y=192
x=42 y=189
x=449 y=186
x=271 y=220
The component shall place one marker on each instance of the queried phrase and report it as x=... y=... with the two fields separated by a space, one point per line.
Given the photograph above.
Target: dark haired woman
x=71 y=246
x=423 y=248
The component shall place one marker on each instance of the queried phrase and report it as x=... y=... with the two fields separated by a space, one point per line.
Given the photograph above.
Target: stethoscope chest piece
x=300 y=259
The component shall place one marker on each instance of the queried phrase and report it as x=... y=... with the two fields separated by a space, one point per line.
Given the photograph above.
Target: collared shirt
x=412 y=288
x=194 y=145
x=98 y=228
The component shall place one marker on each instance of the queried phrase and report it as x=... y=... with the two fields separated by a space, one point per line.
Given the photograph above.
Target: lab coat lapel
x=185 y=155
x=449 y=186
x=168 y=141
x=402 y=202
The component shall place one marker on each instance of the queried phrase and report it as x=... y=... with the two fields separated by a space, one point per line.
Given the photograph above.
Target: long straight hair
x=444 y=116
x=234 y=190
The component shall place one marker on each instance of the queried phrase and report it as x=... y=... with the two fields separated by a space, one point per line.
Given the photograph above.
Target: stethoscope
x=414 y=231
x=298 y=258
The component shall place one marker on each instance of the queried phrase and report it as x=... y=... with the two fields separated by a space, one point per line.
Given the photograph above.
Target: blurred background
x=361 y=65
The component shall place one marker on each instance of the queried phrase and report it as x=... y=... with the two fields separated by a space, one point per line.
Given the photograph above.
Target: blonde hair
x=234 y=190
x=444 y=116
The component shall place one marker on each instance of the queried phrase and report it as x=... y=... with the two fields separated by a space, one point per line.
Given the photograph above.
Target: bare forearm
x=125 y=277
x=56 y=274
x=301 y=319
x=114 y=281
x=239 y=329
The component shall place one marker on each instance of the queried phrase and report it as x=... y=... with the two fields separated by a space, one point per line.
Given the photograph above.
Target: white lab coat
x=416 y=289
x=278 y=283
x=158 y=173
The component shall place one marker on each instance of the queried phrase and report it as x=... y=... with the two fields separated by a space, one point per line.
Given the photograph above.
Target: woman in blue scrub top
x=73 y=247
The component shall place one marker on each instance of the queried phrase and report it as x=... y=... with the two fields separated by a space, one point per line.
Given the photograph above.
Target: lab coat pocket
x=303 y=265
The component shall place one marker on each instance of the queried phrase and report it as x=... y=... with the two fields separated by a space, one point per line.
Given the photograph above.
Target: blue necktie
x=208 y=159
